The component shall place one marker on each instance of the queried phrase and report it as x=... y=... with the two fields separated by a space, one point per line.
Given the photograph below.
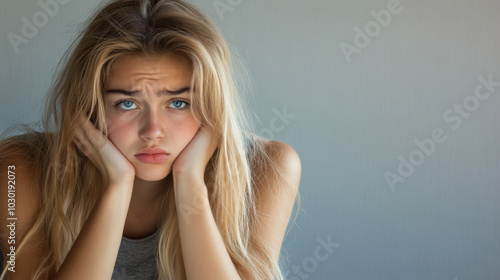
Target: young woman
x=145 y=167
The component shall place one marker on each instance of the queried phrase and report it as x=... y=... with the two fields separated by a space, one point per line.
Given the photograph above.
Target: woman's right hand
x=114 y=166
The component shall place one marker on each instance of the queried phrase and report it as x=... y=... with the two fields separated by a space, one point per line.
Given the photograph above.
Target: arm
x=205 y=255
x=95 y=250
x=275 y=199
x=203 y=248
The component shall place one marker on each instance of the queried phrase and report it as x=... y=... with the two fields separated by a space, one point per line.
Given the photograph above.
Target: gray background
x=352 y=120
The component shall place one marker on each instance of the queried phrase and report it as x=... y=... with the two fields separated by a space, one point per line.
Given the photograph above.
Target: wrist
x=123 y=186
x=186 y=186
x=188 y=178
x=117 y=194
x=187 y=173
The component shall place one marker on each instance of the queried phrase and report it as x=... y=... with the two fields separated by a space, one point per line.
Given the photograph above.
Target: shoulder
x=19 y=198
x=23 y=162
x=283 y=154
x=276 y=183
x=283 y=157
x=19 y=186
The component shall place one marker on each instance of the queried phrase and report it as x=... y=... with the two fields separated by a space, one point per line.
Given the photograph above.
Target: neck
x=145 y=207
x=146 y=194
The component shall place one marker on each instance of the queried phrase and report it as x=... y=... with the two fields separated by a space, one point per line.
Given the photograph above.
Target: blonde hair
x=70 y=183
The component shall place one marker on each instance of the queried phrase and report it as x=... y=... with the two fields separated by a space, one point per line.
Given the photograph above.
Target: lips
x=152 y=155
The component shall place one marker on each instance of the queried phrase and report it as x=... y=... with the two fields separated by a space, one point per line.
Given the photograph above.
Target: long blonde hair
x=69 y=184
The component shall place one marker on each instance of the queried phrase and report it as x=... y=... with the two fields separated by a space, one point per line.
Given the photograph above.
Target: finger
x=89 y=133
x=82 y=139
x=83 y=146
x=80 y=131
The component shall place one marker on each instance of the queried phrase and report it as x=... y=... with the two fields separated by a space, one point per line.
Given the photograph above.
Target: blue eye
x=179 y=104
x=126 y=105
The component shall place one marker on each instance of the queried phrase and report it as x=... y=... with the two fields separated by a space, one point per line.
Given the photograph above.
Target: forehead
x=129 y=71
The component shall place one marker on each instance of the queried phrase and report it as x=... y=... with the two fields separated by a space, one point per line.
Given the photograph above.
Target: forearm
x=205 y=256
x=94 y=252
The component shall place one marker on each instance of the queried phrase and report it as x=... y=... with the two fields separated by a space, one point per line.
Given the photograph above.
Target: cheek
x=119 y=132
x=183 y=130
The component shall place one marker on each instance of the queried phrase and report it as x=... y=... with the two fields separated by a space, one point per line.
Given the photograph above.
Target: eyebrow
x=163 y=92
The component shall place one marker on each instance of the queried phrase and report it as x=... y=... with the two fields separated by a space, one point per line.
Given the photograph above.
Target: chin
x=152 y=174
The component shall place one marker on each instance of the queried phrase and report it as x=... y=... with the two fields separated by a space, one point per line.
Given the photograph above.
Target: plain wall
x=354 y=118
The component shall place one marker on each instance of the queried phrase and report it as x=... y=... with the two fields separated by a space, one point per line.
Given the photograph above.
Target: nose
x=151 y=127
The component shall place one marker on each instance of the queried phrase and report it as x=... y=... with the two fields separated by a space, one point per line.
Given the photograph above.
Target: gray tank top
x=137 y=259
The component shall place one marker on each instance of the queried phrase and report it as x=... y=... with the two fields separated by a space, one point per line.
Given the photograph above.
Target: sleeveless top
x=137 y=259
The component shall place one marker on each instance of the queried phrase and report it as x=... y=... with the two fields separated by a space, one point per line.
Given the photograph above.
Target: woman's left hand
x=192 y=161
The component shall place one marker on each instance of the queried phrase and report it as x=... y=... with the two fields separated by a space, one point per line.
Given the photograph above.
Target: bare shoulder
x=19 y=201
x=276 y=193
x=17 y=177
x=284 y=154
x=285 y=158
